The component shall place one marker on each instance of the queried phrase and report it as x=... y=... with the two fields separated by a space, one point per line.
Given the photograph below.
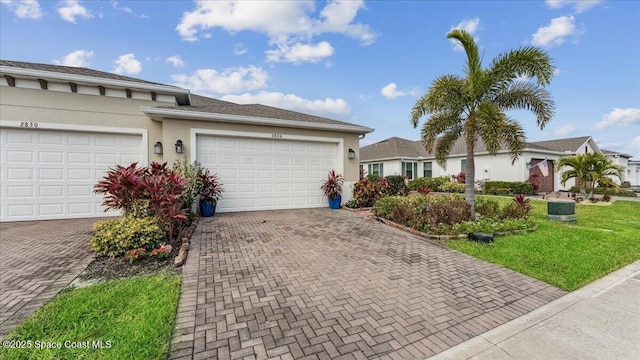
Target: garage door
x=266 y=174
x=50 y=174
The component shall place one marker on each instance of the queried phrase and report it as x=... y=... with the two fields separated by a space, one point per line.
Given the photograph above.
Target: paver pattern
x=321 y=284
x=37 y=260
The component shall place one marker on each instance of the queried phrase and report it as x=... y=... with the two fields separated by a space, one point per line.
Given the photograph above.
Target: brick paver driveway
x=323 y=284
x=37 y=260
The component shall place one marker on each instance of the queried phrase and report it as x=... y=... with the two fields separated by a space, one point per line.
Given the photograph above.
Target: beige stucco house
x=62 y=128
x=409 y=158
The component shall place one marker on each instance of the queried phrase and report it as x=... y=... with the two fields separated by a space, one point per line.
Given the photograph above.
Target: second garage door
x=266 y=174
x=50 y=174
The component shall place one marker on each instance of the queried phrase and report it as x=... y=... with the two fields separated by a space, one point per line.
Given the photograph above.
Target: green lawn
x=604 y=239
x=132 y=317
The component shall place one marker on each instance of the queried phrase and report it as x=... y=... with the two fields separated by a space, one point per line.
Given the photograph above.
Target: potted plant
x=210 y=192
x=332 y=188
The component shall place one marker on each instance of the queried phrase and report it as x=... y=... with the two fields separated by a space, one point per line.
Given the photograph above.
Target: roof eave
x=159 y=114
x=182 y=95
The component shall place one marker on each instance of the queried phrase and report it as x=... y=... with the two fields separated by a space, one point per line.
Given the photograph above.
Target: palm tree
x=474 y=106
x=590 y=169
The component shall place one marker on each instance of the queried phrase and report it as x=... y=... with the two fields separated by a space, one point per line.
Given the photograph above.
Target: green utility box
x=561 y=211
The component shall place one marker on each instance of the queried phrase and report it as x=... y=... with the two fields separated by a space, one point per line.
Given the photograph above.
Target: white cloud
x=471 y=26
x=127 y=64
x=287 y=24
x=620 y=117
x=78 y=58
x=299 y=53
x=176 y=61
x=24 y=9
x=331 y=108
x=230 y=80
x=391 y=91
x=239 y=49
x=555 y=33
x=565 y=130
x=578 y=5
x=114 y=4
x=70 y=9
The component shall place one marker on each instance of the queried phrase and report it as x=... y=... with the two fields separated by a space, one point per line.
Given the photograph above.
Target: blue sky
x=362 y=62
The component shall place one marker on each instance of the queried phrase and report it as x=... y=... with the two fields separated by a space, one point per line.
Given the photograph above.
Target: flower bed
x=443 y=217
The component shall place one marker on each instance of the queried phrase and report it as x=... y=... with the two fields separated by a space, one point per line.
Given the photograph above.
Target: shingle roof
x=611 y=152
x=395 y=147
x=73 y=71
x=563 y=145
x=211 y=105
x=392 y=148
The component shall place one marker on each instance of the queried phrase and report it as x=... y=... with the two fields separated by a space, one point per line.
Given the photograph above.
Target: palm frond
x=469 y=44
x=528 y=96
x=528 y=61
x=445 y=142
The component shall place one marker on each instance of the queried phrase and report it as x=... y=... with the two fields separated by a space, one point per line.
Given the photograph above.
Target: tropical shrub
x=447 y=213
x=459 y=178
x=625 y=185
x=395 y=185
x=534 y=180
x=507 y=188
x=373 y=177
x=153 y=191
x=191 y=172
x=434 y=184
x=210 y=187
x=424 y=190
x=116 y=237
x=351 y=204
x=488 y=208
x=366 y=192
x=452 y=187
x=519 y=208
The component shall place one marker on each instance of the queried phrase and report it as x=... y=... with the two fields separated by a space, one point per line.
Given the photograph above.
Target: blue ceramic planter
x=335 y=202
x=207 y=208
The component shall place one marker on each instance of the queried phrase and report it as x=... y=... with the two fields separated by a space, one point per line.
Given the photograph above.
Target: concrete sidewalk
x=598 y=321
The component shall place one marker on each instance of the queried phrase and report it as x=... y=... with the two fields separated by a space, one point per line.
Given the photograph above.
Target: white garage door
x=266 y=174
x=51 y=174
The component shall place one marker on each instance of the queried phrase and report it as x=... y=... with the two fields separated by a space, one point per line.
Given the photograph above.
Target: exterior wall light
x=157 y=148
x=179 y=147
x=352 y=154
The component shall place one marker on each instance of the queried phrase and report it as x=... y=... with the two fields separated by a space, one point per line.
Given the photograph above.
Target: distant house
x=409 y=158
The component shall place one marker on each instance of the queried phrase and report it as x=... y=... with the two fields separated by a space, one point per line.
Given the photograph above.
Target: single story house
x=409 y=158
x=62 y=128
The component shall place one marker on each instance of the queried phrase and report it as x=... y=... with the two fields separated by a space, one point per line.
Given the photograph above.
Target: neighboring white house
x=409 y=158
x=633 y=172
x=61 y=128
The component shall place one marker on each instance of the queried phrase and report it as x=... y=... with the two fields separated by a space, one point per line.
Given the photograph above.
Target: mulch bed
x=106 y=268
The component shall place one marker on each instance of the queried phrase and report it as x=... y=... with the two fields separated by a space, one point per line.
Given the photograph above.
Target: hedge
x=434 y=184
x=507 y=188
x=607 y=191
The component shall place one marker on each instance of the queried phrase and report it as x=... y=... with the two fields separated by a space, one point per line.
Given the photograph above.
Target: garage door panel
x=57 y=170
x=267 y=173
x=51 y=190
x=17 y=157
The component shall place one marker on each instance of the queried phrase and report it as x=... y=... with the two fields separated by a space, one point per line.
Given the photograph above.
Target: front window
x=463 y=164
x=427 y=170
x=376 y=169
x=409 y=169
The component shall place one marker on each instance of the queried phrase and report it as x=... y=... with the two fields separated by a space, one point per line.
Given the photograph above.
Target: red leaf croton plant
x=332 y=187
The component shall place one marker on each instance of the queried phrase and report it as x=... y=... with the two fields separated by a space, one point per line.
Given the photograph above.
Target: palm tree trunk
x=469 y=176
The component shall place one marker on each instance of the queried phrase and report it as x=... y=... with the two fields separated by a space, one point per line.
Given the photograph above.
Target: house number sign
x=28 y=124
x=276 y=136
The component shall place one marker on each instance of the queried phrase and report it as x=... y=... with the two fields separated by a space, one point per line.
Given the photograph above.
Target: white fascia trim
x=257 y=135
x=242 y=119
x=432 y=158
x=83 y=128
x=93 y=80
